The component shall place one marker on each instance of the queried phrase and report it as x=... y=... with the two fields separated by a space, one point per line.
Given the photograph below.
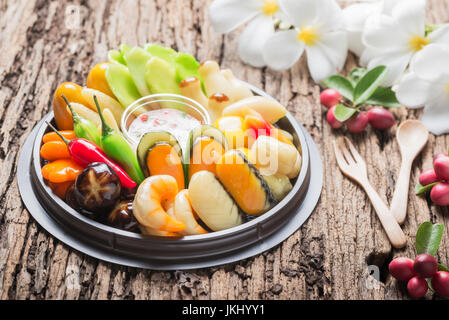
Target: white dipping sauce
x=176 y=122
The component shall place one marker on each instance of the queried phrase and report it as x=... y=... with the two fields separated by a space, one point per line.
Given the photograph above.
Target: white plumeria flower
x=227 y=15
x=317 y=31
x=354 y=18
x=393 y=40
x=427 y=84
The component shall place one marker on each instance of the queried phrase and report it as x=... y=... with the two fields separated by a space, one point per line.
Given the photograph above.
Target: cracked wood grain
x=43 y=45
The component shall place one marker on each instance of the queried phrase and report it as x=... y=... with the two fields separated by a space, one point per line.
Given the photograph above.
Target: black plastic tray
x=299 y=214
x=132 y=249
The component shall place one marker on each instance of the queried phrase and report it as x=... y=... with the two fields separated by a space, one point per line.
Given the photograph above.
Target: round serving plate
x=132 y=249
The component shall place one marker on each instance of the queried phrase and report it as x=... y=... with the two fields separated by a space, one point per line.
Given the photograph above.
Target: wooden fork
x=353 y=166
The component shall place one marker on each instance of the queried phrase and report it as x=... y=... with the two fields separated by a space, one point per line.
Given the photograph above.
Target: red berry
x=357 y=123
x=440 y=194
x=425 y=265
x=401 y=268
x=330 y=97
x=417 y=287
x=441 y=167
x=427 y=177
x=441 y=154
x=440 y=283
x=331 y=118
x=380 y=118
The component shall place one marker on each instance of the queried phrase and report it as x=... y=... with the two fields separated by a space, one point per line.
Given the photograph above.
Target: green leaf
x=428 y=238
x=431 y=28
x=442 y=268
x=420 y=189
x=343 y=113
x=368 y=84
x=341 y=84
x=356 y=74
x=383 y=97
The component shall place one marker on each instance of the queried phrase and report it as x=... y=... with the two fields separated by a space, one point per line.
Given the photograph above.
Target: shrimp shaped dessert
x=183 y=212
x=152 y=194
x=155 y=232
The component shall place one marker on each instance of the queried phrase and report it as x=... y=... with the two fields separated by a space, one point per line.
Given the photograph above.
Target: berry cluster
x=416 y=272
x=437 y=179
x=378 y=117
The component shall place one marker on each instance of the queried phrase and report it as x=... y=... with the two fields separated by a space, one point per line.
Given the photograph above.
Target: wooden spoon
x=412 y=136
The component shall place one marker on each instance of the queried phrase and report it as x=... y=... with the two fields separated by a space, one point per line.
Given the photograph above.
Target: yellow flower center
x=418 y=42
x=447 y=87
x=308 y=35
x=270 y=7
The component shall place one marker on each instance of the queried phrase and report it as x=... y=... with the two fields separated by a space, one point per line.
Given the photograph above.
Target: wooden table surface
x=44 y=43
